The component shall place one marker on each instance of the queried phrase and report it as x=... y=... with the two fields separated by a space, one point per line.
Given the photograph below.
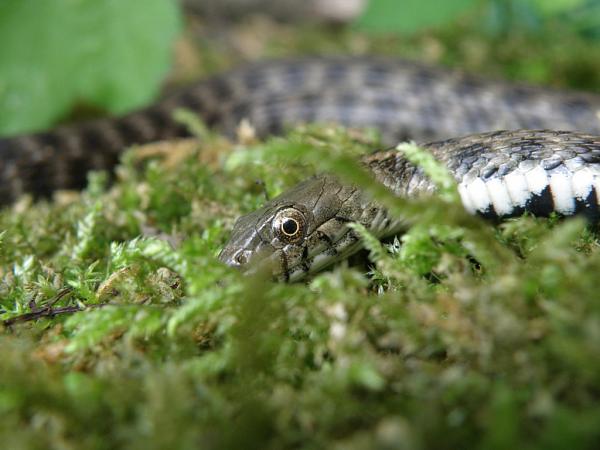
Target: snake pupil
x=289 y=227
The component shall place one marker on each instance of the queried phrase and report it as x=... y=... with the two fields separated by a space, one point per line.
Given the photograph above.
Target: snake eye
x=289 y=225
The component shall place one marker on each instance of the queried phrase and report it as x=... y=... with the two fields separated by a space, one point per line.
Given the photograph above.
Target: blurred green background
x=64 y=59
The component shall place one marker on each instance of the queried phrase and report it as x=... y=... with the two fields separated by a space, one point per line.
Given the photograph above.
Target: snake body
x=404 y=100
x=499 y=173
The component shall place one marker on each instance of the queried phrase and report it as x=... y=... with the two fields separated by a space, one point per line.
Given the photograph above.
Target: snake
x=520 y=148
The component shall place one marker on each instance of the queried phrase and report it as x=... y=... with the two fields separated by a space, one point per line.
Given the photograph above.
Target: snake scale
x=500 y=173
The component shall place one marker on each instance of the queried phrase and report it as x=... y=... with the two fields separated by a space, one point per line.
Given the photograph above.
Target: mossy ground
x=467 y=335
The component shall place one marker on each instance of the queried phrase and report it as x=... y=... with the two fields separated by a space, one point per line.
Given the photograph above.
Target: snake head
x=297 y=233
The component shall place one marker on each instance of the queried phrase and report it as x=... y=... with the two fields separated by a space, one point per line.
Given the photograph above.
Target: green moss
x=435 y=348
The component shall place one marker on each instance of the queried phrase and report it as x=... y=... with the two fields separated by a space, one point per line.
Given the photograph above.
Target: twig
x=48 y=310
x=59 y=296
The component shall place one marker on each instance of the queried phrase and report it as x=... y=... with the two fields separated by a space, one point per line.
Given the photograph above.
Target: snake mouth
x=295 y=262
x=291 y=262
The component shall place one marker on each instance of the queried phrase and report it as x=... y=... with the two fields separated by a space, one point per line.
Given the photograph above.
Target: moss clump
x=464 y=336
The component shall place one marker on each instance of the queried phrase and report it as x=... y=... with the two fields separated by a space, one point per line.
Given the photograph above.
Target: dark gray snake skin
x=403 y=99
x=501 y=173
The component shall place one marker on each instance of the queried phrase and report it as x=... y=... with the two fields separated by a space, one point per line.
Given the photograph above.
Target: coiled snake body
x=500 y=173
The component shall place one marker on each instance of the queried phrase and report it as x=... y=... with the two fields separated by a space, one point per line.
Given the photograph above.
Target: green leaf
x=109 y=54
x=557 y=6
x=410 y=16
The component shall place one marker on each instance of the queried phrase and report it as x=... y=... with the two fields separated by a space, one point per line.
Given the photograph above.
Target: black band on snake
x=500 y=173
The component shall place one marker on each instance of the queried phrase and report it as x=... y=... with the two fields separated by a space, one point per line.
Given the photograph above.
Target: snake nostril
x=242 y=257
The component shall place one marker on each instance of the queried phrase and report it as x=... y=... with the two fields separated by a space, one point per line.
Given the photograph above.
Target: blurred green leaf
x=506 y=17
x=410 y=16
x=57 y=53
x=557 y=6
